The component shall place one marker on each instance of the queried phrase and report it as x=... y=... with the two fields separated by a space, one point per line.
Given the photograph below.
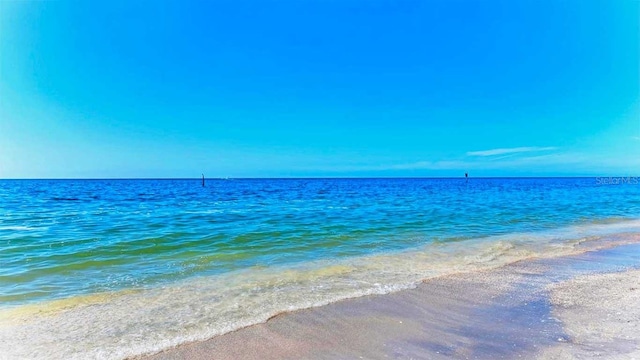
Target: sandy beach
x=601 y=315
x=577 y=306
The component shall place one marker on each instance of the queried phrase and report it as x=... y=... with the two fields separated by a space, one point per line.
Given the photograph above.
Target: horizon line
x=332 y=178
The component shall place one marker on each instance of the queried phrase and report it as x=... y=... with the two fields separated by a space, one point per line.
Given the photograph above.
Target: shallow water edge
x=506 y=312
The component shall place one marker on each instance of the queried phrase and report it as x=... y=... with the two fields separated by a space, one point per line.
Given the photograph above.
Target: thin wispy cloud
x=503 y=151
x=552 y=162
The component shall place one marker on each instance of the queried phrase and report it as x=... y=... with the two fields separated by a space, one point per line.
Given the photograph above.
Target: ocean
x=115 y=268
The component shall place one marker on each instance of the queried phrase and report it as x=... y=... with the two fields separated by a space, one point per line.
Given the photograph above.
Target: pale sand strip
x=501 y=313
x=601 y=314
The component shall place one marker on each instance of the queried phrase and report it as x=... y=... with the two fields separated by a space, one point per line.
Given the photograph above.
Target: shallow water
x=121 y=267
x=504 y=313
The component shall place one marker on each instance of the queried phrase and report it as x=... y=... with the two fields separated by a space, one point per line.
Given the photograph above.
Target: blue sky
x=319 y=88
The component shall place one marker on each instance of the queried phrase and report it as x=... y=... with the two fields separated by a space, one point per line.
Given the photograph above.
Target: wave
x=19 y=228
x=141 y=321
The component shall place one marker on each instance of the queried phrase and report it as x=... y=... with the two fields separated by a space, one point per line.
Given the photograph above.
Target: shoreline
x=513 y=312
x=135 y=325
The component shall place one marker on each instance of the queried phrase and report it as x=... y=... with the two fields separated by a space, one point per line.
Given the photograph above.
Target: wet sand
x=578 y=306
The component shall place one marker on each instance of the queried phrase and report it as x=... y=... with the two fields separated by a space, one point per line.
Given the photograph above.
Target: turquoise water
x=187 y=262
x=65 y=237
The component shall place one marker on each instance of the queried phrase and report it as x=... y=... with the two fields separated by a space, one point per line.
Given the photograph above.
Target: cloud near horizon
x=503 y=151
x=552 y=160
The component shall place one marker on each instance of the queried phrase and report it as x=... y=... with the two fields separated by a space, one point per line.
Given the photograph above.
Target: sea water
x=115 y=268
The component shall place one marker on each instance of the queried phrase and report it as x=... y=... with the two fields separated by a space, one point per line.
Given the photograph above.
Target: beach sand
x=601 y=315
x=578 y=306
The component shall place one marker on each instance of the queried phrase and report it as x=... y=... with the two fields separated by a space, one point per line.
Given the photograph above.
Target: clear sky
x=319 y=88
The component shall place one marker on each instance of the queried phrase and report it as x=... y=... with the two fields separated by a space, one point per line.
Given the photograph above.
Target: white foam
x=18 y=228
